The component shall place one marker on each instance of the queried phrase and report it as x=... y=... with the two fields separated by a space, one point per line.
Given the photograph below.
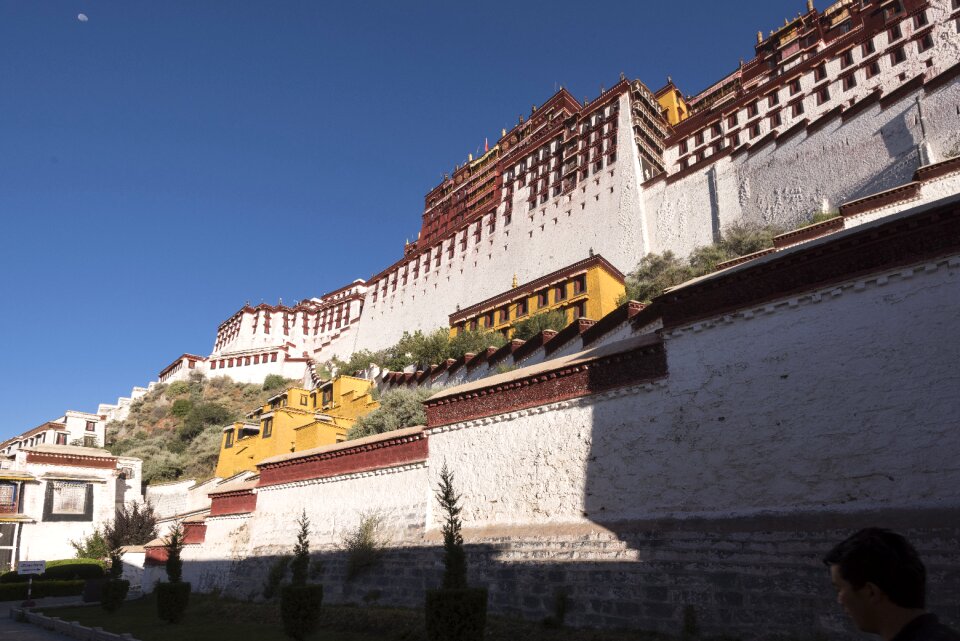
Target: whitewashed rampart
x=708 y=464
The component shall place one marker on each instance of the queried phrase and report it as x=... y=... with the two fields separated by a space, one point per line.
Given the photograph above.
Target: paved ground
x=12 y=631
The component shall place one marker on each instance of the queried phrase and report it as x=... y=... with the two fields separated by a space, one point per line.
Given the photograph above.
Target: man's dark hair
x=886 y=559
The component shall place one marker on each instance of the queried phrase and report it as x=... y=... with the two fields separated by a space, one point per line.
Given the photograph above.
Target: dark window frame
x=50 y=516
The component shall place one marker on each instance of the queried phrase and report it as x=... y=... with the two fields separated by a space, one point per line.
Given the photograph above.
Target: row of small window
x=521 y=307
x=241 y=361
x=820 y=73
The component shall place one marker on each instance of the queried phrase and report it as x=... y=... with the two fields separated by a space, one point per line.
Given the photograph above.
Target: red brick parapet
x=905 y=240
x=883 y=199
x=72 y=460
x=194 y=532
x=641 y=360
x=809 y=232
x=400 y=447
x=238 y=502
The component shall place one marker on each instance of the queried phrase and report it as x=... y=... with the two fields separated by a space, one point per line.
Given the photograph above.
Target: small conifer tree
x=300 y=602
x=454 y=560
x=174 y=564
x=455 y=612
x=173 y=595
x=300 y=565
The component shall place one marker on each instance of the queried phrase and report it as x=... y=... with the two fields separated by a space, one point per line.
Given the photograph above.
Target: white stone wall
x=836 y=400
x=49 y=540
x=784 y=183
x=602 y=213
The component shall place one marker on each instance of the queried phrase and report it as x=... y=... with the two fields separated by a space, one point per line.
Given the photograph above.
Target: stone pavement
x=10 y=630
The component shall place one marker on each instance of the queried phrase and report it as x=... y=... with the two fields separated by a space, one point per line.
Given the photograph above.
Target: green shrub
x=555 y=319
x=177 y=388
x=172 y=600
x=274 y=382
x=399 y=408
x=95 y=546
x=18 y=591
x=300 y=609
x=363 y=545
x=62 y=570
x=181 y=407
x=113 y=594
x=174 y=564
x=200 y=416
x=456 y=614
x=822 y=216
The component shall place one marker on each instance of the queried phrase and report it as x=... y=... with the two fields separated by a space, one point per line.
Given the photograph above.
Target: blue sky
x=163 y=162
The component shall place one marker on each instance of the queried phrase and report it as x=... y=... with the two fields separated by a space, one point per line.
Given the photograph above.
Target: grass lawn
x=210 y=618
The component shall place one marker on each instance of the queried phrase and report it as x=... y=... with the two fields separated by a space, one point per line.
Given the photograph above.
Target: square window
x=755 y=130
x=91 y=426
x=732 y=120
x=797 y=108
x=895 y=33
x=683 y=146
x=228 y=440
x=873 y=69
x=774 y=99
x=716 y=130
x=823 y=95
x=820 y=71
x=735 y=139
x=795 y=87
x=897 y=56
x=926 y=42
x=776 y=120
x=542 y=299
x=849 y=82
x=522 y=307
x=303 y=400
x=267 y=427
x=68 y=501
x=560 y=292
x=846 y=59
x=579 y=285
x=920 y=20
x=868 y=47
x=698 y=139
x=752 y=109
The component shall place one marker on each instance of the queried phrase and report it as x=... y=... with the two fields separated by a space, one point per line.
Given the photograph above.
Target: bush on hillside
x=526 y=329
x=274 y=382
x=654 y=273
x=202 y=415
x=399 y=408
x=178 y=388
x=181 y=407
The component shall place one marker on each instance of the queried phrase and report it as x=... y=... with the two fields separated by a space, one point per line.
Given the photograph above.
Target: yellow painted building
x=589 y=288
x=672 y=105
x=294 y=420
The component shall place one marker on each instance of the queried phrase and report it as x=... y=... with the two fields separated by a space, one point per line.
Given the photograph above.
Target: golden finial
x=469 y=157
x=515 y=283
x=809 y=6
x=503 y=132
x=759 y=37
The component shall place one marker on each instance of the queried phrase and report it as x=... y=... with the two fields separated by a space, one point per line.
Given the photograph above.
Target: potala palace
x=701 y=450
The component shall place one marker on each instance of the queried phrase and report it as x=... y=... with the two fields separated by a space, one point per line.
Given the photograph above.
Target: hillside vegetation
x=176 y=428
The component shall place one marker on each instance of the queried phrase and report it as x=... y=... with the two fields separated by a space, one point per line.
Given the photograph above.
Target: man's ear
x=873 y=593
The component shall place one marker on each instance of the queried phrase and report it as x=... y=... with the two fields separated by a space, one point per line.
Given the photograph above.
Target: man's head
x=876 y=571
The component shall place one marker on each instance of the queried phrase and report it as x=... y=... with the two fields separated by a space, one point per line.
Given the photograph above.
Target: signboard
x=31 y=567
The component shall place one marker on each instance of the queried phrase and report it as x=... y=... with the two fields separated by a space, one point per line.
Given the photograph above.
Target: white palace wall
x=774 y=428
x=840 y=399
x=601 y=214
x=783 y=182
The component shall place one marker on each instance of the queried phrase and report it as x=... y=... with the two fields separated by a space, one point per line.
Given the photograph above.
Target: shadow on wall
x=744 y=584
x=773 y=435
